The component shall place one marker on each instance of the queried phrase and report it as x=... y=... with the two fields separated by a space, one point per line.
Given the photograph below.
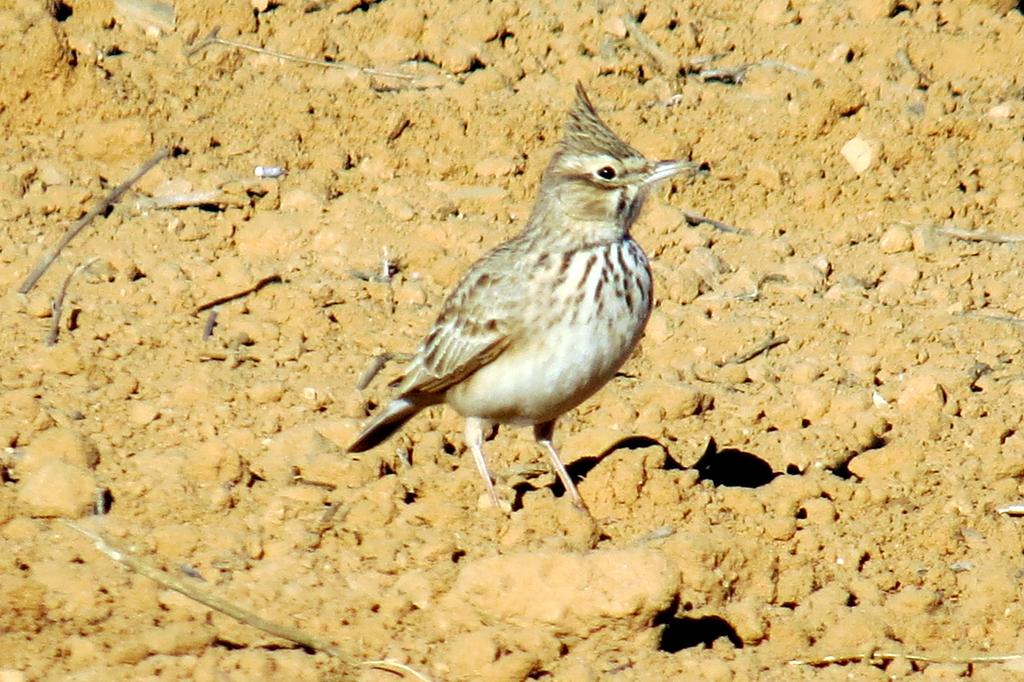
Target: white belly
x=574 y=352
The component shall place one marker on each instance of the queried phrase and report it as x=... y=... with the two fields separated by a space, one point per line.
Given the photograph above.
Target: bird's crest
x=586 y=133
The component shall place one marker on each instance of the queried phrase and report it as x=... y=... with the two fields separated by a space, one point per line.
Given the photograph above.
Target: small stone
x=903 y=273
x=266 y=392
x=213 y=462
x=589 y=443
x=615 y=27
x=1000 y=111
x=867 y=10
x=812 y=402
x=11 y=675
x=578 y=593
x=411 y=293
x=143 y=412
x=62 y=445
x=178 y=638
x=774 y=12
x=114 y=140
x=921 y=393
x=860 y=153
x=58 y=489
x=674 y=399
x=495 y=166
x=301 y=201
x=896 y=239
x=805 y=371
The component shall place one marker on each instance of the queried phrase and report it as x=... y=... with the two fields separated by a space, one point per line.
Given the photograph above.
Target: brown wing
x=476 y=324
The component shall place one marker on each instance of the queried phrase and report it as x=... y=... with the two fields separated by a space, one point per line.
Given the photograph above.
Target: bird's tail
x=386 y=422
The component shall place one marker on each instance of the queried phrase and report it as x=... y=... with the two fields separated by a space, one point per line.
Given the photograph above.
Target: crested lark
x=543 y=321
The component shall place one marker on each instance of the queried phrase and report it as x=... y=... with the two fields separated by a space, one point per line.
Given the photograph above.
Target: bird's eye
x=606 y=173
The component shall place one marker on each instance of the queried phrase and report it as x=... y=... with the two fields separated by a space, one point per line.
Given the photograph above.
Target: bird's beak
x=666 y=169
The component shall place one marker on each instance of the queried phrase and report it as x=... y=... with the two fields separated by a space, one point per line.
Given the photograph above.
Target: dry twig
x=693 y=219
x=971 y=236
x=57 y=307
x=211 y=322
x=194 y=592
x=176 y=583
x=269 y=279
x=665 y=61
x=881 y=656
x=214 y=39
x=378 y=364
x=771 y=342
x=108 y=201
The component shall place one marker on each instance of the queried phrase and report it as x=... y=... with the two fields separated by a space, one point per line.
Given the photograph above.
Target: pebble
x=213 y=462
x=495 y=166
x=577 y=593
x=896 y=239
x=860 y=153
x=58 y=489
x=921 y=393
x=59 y=444
x=143 y=412
x=266 y=392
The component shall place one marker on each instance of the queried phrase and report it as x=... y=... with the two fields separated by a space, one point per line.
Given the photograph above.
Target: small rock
x=578 y=593
x=213 y=462
x=896 y=239
x=112 y=141
x=178 y=638
x=143 y=412
x=301 y=200
x=902 y=273
x=495 y=166
x=58 y=489
x=62 y=445
x=266 y=392
x=615 y=27
x=589 y=443
x=774 y=12
x=860 y=153
x=1000 y=111
x=921 y=393
x=867 y=10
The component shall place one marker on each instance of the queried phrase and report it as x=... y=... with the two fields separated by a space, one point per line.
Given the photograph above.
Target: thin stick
x=193 y=592
x=269 y=279
x=894 y=656
x=57 y=307
x=968 y=235
x=693 y=219
x=378 y=364
x=771 y=342
x=665 y=61
x=211 y=322
x=72 y=232
x=214 y=39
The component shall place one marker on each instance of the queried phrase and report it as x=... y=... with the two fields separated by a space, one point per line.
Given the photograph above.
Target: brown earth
x=849 y=506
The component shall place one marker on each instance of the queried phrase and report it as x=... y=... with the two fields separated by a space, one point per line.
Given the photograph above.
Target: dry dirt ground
x=837 y=494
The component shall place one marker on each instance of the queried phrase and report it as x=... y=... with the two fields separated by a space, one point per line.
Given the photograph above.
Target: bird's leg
x=543 y=433
x=475 y=440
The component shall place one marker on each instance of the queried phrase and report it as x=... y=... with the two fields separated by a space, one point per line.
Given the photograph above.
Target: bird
x=541 y=322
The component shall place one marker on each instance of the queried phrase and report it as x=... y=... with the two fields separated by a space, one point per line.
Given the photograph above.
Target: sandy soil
x=834 y=495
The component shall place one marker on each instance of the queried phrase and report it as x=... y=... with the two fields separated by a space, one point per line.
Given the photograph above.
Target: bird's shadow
x=729 y=467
